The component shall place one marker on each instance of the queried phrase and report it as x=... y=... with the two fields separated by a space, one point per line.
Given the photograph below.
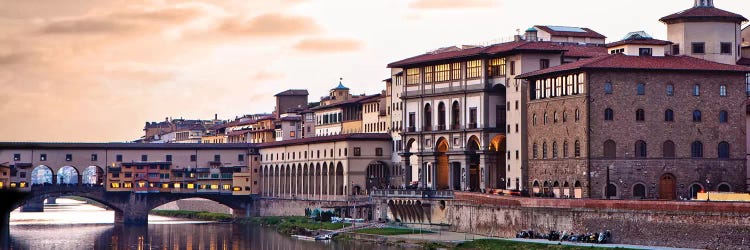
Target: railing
x=412 y=193
x=441 y=126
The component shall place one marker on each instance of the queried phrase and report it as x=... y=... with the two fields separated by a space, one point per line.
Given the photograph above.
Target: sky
x=96 y=71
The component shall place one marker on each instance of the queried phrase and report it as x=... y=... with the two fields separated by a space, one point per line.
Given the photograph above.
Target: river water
x=75 y=225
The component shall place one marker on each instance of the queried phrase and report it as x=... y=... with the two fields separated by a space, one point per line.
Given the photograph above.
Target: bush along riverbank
x=194 y=215
x=294 y=224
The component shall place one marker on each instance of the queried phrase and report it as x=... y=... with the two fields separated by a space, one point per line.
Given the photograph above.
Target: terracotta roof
x=239 y=132
x=158 y=146
x=703 y=14
x=331 y=138
x=587 y=32
x=639 y=41
x=503 y=48
x=744 y=61
x=354 y=99
x=620 y=61
x=293 y=92
x=291 y=118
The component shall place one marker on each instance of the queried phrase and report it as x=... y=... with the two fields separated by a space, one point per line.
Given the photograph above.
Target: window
x=696 y=116
x=610 y=149
x=412 y=76
x=442 y=72
x=670 y=90
x=554 y=117
x=441 y=116
x=496 y=67
x=455 y=71
x=357 y=151
x=68 y=157
x=427 y=123
x=292 y=133
x=640 y=149
x=667 y=149
x=474 y=69
x=696 y=149
x=608 y=88
x=533 y=119
x=609 y=114
x=545 y=118
x=675 y=49
x=240 y=157
x=565 y=116
x=429 y=76
x=699 y=48
x=144 y=157
x=535 y=151
x=723 y=150
x=723 y=90
x=42 y=157
x=169 y=158
x=118 y=158
x=513 y=67
x=644 y=51
x=554 y=150
x=577 y=149
x=543 y=63
x=639 y=191
x=641 y=89
x=472 y=117
x=640 y=115
x=726 y=48
x=193 y=158
x=412 y=121
x=696 y=90
x=544 y=150
x=455 y=115
x=16 y=157
x=578 y=115
x=378 y=151
x=668 y=115
x=723 y=116
x=565 y=149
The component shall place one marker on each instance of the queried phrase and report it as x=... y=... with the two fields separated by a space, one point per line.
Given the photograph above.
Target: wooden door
x=667 y=185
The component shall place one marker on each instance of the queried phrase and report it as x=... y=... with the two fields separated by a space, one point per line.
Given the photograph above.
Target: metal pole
x=606 y=185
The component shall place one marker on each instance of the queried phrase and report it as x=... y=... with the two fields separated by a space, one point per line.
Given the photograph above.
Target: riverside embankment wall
x=296 y=207
x=712 y=225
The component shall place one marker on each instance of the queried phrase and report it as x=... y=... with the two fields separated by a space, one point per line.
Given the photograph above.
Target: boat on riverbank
x=313 y=238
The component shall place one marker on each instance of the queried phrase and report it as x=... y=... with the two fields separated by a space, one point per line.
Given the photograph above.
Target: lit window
x=214 y=187
x=227 y=187
x=127 y=185
x=670 y=90
x=191 y=186
x=608 y=88
x=473 y=69
x=115 y=185
x=723 y=90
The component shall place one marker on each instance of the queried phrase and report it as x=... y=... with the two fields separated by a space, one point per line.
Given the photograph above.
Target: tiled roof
x=293 y=92
x=354 y=99
x=584 y=51
x=620 y=61
x=744 y=61
x=500 y=48
x=640 y=41
x=160 y=146
x=703 y=14
x=238 y=132
x=588 y=32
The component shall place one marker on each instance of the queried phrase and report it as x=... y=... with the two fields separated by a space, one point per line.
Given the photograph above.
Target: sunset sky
x=96 y=70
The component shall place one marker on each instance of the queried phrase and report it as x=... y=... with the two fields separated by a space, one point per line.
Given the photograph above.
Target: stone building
x=650 y=126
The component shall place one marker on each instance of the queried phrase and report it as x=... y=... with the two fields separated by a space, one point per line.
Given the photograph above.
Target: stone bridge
x=130 y=208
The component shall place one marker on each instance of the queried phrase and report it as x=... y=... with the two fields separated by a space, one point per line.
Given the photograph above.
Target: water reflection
x=161 y=234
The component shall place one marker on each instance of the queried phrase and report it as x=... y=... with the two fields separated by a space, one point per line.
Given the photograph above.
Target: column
x=484 y=177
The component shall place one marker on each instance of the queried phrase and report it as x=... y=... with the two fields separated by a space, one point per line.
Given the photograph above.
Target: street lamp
x=708 y=186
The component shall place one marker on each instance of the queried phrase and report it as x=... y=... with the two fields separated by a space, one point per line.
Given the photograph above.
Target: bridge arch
x=93 y=175
x=41 y=175
x=68 y=175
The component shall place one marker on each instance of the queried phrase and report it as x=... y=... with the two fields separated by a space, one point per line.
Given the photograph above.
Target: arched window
x=724 y=188
x=640 y=115
x=565 y=149
x=554 y=117
x=670 y=90
x=611 y=190
x=609 y=114
x=441 y=116
x=723 y=150
x=535 y=151
x=696 y=116
x=565 y=116
x=696 y=90
x=608 y=88
x=641 y=90
x=533 y=119
x=668 y=115
x=696 y=149
x=456 y=115
x=723 y=116
x=667 y=149
x=639 y=191
x=554 y=150
x=640 y=149
x=578 y=115
x=723 y=90
x=577 y=149
x=545 y=118
x=610 y=149
x=544 y=150
x=427 y=117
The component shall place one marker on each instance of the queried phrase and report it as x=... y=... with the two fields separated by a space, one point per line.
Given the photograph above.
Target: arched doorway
x=41 y=175
x=473 y=158
x=93 y=175
x=378 y=176
x=442 y=170
x=340 y=179
x=499 y=172
x=639 y=191
x=667 y=187
x=694 y=190
x=725 y=188
x=577 y=190
x=67 y=175
x=611 y=191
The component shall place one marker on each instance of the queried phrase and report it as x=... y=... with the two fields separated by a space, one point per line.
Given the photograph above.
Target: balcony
x=441 y=127
x=413 y=193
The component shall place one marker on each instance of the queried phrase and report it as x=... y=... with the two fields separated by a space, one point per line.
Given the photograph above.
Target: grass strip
x=391 y=231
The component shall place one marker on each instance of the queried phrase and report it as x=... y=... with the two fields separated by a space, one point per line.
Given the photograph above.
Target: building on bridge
x=4 y=175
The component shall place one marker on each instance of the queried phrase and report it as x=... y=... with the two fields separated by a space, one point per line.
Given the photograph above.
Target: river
x=73 y=224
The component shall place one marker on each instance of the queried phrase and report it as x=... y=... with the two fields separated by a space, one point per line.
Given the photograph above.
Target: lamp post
x=606 y=184
x=708 y=186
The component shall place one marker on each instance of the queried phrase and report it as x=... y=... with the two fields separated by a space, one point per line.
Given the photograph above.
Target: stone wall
x=658 y=223
x=197 y=205
x=296 y=207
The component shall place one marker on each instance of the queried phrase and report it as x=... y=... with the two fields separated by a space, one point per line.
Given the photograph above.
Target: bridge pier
x=33 y=205
x=7 y=203
x=51 y=200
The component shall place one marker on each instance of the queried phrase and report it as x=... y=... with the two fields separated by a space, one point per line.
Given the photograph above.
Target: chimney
x=216 y=116
x=517 y=38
